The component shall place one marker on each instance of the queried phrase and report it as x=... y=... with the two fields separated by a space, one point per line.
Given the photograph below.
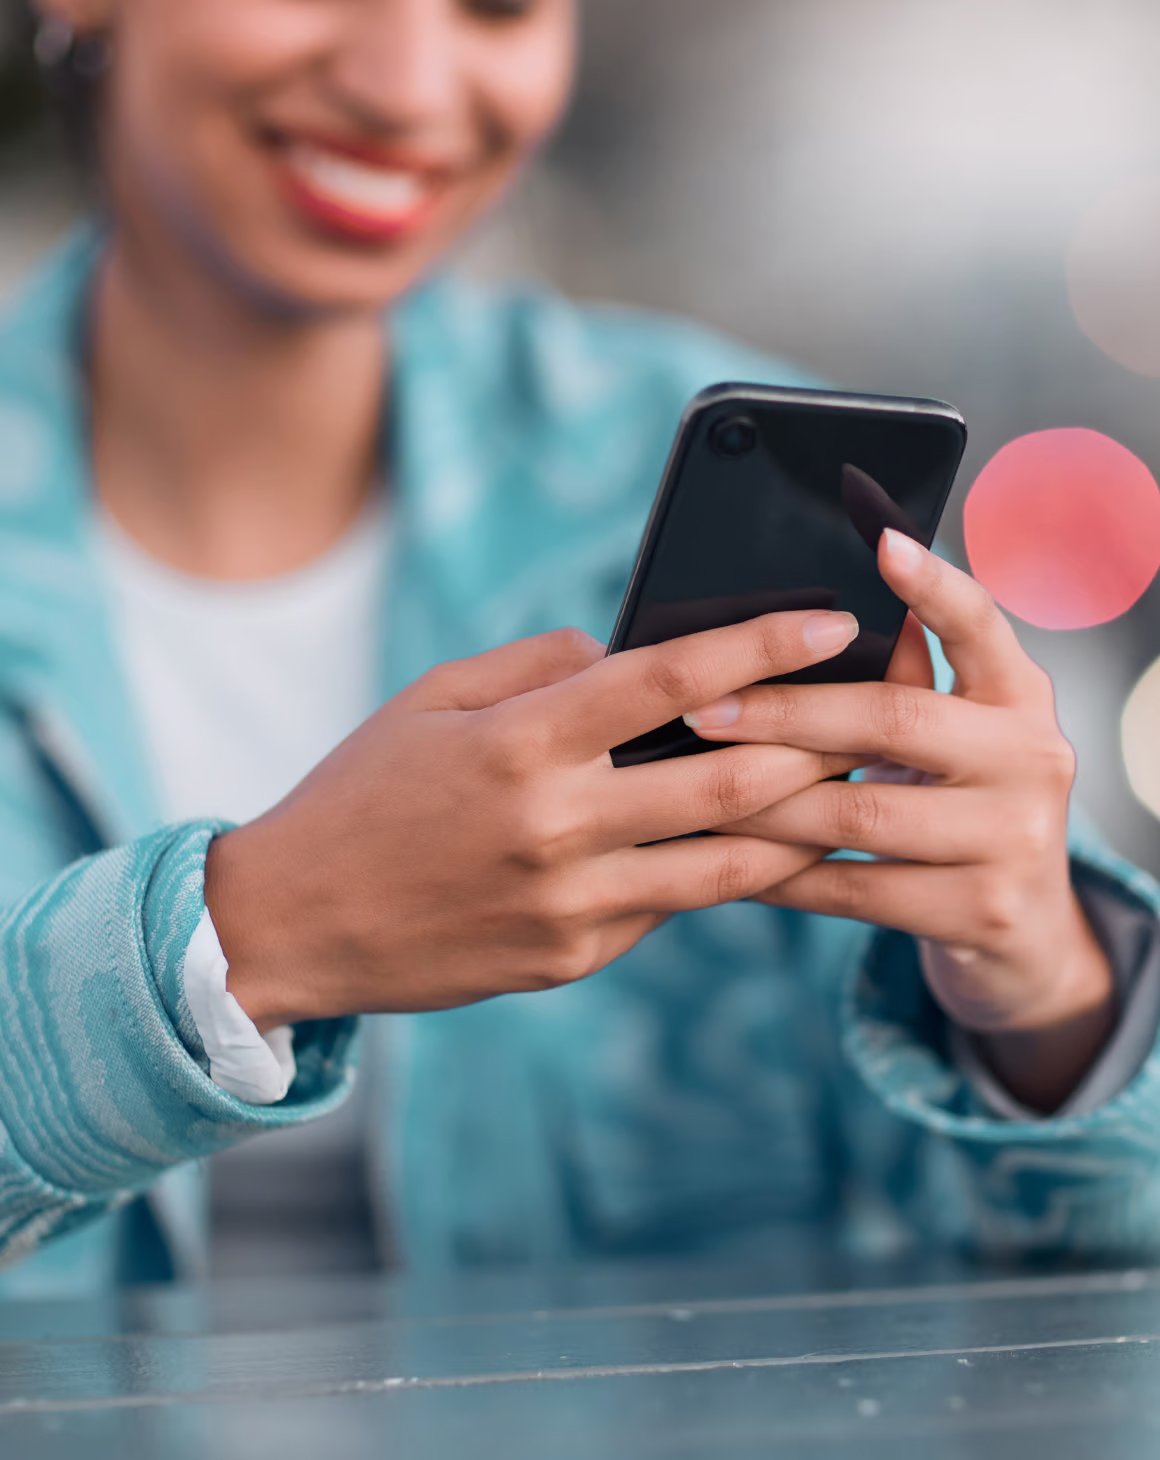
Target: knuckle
x=553 y=911
x=1032 y=832
x=573 y=646
x=672 y=678
x=982 y=611
x=850 y=890
x=778 y=708
x=854 y=814
x=998 y=905
x=437 y=684
x=514 y=745
x=563 y=930
x=731 y=786
x=733 y=876
x=897 y=714
x=541 y=833
x=575 y=959
x=1041 y=684
x=1058 y=760
x=772 y=646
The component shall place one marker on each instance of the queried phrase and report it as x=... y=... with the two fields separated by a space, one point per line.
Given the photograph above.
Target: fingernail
x=904 y=550
x=725 y=711
x=825 y=632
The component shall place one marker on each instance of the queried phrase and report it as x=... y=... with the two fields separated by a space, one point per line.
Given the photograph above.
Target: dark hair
x=20 y=95
x=71 y=82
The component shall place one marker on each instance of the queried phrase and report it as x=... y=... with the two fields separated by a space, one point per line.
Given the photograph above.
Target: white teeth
x=357 y=185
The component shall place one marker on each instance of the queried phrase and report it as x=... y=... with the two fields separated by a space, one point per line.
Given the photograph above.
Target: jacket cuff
x=257 y=1068
x=1130 y=937
x=173 y=906
x=99 y=1090
x=910 y=1054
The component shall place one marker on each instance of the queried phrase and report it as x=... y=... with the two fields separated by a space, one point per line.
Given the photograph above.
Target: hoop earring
x=57 y=46
x=53 y=42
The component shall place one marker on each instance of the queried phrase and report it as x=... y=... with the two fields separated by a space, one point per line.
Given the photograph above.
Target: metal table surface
x=808 y=1357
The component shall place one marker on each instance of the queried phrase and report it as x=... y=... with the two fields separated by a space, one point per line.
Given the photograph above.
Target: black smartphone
x=775 y=499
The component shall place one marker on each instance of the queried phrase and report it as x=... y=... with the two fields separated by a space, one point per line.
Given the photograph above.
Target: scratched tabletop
x=809 y=1357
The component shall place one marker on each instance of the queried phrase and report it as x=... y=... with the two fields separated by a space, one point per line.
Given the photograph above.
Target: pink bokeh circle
x=1063 y=527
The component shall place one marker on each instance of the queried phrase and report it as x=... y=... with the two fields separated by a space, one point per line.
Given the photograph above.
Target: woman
x=261 y=475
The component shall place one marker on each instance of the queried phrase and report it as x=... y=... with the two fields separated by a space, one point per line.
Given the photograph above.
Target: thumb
x=910 y=662
x=510 y=670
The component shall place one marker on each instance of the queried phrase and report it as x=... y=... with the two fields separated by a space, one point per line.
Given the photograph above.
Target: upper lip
x=389 y=157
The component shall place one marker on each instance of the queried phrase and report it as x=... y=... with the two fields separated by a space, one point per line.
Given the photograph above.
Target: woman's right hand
x=473 y=837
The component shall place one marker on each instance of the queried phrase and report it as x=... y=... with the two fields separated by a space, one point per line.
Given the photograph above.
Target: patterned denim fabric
x=742 y=1072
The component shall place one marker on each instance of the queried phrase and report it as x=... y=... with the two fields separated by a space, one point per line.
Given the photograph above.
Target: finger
x=614 y=938
x=927 y=902
x=910 y=662
x=624 y=933
x=639 y=689
x=669 y=798
x=940 y=734
x=700 y=872
x=506 y=672
x=989 y=662
x=910 y=823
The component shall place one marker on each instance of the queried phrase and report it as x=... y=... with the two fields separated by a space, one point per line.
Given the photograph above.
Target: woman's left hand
x=967 y=808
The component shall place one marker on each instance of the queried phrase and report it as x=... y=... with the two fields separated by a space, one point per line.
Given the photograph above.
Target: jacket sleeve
x=933 y=1154
x=1083 y=1185
x=103 y=1082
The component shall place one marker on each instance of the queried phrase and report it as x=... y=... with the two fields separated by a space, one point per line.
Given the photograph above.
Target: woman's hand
x=473 y=837
x=972 y=834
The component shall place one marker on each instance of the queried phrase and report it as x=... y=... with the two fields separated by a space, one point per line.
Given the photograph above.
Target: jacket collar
x=59 y=666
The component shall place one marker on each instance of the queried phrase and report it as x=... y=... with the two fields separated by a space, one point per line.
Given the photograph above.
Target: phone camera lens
x=735 y=436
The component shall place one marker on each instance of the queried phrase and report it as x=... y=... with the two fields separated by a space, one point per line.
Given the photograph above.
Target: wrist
x=258 y=930
x=1073 y=974
x=1044 y=1052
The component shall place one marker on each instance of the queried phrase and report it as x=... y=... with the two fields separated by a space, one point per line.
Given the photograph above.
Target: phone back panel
x=775 y=499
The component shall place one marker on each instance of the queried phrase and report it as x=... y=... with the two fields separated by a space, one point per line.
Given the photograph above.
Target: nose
x=397 y=65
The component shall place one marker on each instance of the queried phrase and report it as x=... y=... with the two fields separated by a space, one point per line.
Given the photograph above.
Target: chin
x=291 y=275
x=287 y=280
x=316 y=286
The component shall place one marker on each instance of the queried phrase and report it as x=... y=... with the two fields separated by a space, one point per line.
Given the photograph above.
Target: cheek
x=218 y=47
x=525 y=88
x=187 y=75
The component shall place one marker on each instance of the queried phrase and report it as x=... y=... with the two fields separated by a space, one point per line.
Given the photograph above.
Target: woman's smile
x=358 y=190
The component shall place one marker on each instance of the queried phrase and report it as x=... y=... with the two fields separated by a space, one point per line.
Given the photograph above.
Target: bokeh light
x=1063 y=527
x=1113 y=274
x=1140 y=739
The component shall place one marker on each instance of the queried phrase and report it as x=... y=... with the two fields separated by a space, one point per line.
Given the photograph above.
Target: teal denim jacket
x=742 y=1072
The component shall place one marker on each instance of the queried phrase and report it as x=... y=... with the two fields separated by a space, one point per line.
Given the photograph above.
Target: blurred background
x=957 y=198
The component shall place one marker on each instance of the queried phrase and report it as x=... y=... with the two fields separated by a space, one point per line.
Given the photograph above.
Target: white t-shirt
x=240 y=689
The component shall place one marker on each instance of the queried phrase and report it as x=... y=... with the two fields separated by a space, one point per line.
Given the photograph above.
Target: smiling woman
x=280 y=174
x=276 y=137
x=290 y=734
